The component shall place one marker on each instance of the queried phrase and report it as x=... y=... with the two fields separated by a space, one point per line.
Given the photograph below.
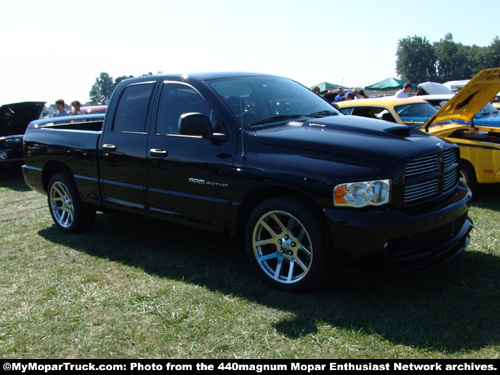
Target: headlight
x=361 y=194
x=3 y=155
x=12 y=140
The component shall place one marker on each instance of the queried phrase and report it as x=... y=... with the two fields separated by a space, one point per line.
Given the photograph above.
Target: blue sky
x=56 y=49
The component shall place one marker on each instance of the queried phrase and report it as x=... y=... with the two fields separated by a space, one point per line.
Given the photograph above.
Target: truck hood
x=15 y=117
x=359 y=137
x=470 y=99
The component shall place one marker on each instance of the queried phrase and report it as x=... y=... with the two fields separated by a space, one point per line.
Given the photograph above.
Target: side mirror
x=195 y=123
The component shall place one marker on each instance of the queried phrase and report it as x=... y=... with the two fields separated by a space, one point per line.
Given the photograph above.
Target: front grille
x=430 y=176
x=422 y=165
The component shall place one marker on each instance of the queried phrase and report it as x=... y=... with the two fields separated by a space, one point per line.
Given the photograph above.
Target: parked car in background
x=479 y=144
x=433 y=88
x=496 y=101
x=486 y=116
x=454 y=86
x=410 y=111
x=14 y=118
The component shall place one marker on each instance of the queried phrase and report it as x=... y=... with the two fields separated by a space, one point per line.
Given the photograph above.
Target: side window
x=346 y=111
x=374 y=112
x=133 y=108
x=365 y=112
x=175 y=100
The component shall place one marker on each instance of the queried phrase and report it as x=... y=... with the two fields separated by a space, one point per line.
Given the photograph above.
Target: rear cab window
x=132 y=109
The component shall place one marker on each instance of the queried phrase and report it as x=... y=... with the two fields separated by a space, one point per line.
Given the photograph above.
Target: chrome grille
x=450 y=180
x=450 y=157
x=438 y=175
x=422 y=165
x=421 y=189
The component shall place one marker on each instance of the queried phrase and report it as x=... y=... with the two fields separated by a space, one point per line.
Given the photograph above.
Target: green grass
x=133 y=289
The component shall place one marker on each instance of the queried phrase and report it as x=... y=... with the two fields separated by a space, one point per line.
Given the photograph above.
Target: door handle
x=108 y=147
x=158 y=152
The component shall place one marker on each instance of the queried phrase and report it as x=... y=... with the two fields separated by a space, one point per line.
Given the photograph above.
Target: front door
x=189 y=177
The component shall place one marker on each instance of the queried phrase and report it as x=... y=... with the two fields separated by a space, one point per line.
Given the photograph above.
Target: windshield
x=487 y=110
x=265 y=101
x=415 y=114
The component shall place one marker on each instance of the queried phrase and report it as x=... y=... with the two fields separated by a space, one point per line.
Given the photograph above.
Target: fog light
x=3 y=155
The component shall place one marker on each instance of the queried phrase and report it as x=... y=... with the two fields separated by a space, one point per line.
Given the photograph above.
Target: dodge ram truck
x=308 y=190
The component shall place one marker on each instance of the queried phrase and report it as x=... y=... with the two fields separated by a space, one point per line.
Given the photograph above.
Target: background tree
x=119 y=79
x=416 y=59
x=454 y=60
x=447 y=64
x=493 y=53
x=102 y=89
x=419 y=61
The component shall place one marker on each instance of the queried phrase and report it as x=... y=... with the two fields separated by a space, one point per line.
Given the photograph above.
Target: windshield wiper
x=279 y=118
x=273 y=119
x=323 y=114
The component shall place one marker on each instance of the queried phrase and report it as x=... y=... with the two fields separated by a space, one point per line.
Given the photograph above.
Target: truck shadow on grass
x=453 y=308
x=12 y=179
x=487 y=196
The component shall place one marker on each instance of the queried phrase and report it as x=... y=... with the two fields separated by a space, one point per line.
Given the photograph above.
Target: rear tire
x=69 y=213
x=286 y=245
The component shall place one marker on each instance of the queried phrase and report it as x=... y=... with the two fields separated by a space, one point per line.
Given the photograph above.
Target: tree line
x=104 y=85
x=419 y=61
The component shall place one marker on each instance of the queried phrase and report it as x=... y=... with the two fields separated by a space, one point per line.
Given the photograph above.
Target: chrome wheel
x=61 y=204
x=70 y=214
x=282 y=247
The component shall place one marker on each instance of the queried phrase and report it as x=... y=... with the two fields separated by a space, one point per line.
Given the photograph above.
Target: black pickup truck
x=264 y=159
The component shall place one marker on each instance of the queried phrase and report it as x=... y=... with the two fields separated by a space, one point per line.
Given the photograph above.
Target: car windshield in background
x=415 y=114
x=487 y=110
x=266 y=101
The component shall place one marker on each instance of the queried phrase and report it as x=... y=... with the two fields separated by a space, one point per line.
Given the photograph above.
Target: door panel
x=123 y=151
x=189 y=177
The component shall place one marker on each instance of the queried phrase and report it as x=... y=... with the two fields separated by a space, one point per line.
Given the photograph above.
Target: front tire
x=468 y=175
x=69 y=213
x=286 y=244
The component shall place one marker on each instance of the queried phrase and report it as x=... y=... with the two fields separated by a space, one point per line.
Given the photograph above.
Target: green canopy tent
x=387 y=84
x=325 y=86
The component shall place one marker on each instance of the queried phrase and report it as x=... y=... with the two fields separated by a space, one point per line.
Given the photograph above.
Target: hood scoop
x=399 y=131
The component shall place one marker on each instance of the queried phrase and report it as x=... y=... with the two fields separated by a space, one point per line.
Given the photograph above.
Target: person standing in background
x=61 y=110
x=403 y=93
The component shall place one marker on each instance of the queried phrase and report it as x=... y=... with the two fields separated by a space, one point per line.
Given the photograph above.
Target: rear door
x=123 y=156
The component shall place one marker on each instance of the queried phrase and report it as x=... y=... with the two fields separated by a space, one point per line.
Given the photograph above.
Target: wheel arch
x=52 y=168
x=467 y=166
x=262 y=193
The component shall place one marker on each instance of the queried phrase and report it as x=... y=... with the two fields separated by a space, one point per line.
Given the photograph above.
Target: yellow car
x=479 y=145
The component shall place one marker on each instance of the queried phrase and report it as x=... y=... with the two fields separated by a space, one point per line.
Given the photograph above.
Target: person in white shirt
x=75 y=108
x=403 y=93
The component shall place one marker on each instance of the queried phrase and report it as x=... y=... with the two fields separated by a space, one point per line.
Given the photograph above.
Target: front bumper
x=11 y=157
x=394 y=242
x=9 y=163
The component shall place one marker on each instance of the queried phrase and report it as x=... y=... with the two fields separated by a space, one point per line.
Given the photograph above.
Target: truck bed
x=56 y=143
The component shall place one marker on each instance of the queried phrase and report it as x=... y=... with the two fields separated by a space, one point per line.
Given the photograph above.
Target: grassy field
x=134 y=289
